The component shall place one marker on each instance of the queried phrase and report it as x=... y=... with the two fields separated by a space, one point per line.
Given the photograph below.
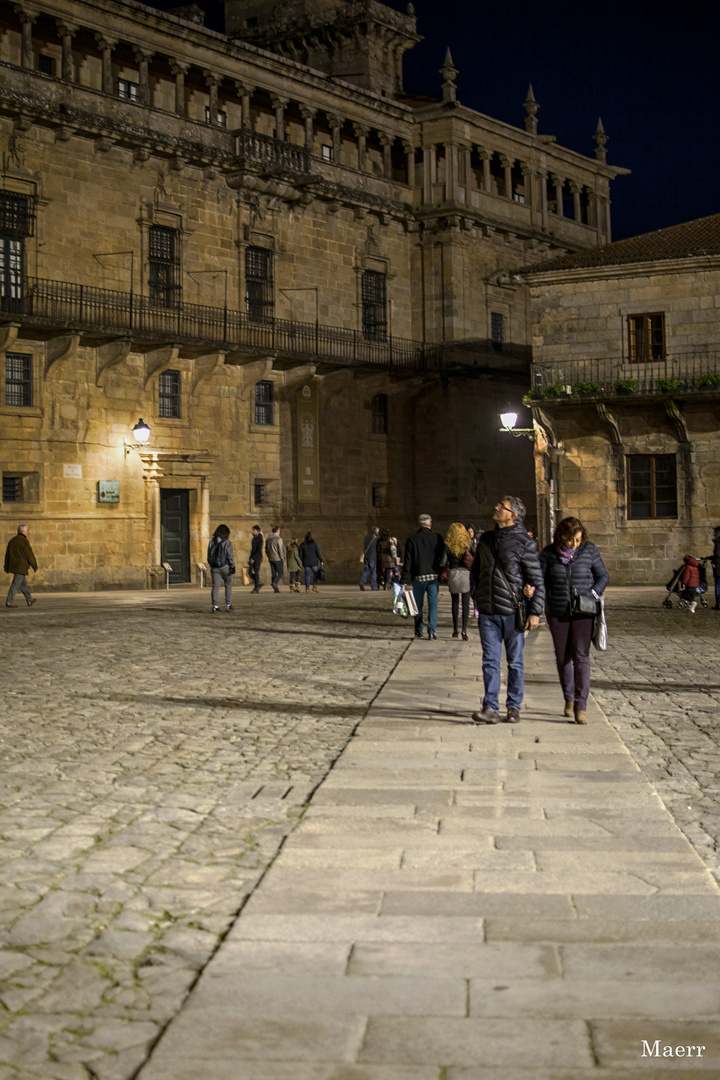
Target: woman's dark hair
x=384 y=535
x=469 y=527
x=565 y=532
x=221 y=533
x=308 y=538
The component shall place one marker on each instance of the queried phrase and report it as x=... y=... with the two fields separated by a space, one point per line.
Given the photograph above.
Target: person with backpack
x=221 y=560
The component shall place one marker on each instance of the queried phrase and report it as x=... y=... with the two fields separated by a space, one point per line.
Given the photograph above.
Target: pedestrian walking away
x=424 y=559
x=311 y=560
x=690 y=582
x=387 y=556
x=275 y=551
x=221 y=560
x=716 y=565
x=256 y=557
x=19 y=557
x=369 y=559
x=294 y=564
x=505 y=561
x=572 y=568
x=460 y=560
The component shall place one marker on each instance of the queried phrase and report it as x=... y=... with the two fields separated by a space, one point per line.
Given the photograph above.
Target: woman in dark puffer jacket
x=572 y=567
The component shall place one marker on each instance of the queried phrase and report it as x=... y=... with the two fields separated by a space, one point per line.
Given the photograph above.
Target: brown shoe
x=315 y=588
x=580 y=716
x=569 y=709
x=11 y=605
x=31 y=602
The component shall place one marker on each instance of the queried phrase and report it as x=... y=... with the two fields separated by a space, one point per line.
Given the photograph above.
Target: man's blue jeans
x=369 y=571
x=496 y=630
x=432 y=588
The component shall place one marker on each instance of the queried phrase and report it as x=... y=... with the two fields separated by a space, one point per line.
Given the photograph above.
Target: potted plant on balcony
x=670 y=386
x=626 y=386
x=535 y=393
x=588 y=389
x=708 y=381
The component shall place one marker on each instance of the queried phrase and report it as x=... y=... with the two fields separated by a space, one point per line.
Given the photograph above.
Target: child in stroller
x=690 y=582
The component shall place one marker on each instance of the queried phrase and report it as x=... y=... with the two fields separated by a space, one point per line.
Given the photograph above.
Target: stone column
x=362 y=131
x=279 y=105
x=410 y=156
x=464 y=169
x=152 y=488
x=529 y=179
x=205 y=506
x=27 y=19
x=429 y=172
x=336 y=123
x=143 y=60
x=245 y=93
x=308 y=116
x=212 y=81
x=542 y=197
x=507 y=164
x=179 y=70
x=558 y=184
x=577 y=211
x=386 y=143
x=65 y=33
x=484 y=156
x=106 y=46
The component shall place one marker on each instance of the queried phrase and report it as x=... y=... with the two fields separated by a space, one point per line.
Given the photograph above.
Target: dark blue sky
x=650 y=70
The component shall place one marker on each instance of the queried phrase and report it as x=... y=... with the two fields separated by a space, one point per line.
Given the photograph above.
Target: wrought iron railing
x=66 y=306
x=678 y=372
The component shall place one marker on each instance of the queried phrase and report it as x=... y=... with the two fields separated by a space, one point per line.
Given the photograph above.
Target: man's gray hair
x=425 y=519
x=517 y=506
x=22 y=528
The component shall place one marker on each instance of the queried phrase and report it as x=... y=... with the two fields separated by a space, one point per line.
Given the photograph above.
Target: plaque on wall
x=108 y=491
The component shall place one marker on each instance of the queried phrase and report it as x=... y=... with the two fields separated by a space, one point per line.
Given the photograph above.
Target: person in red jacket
x=690 y=582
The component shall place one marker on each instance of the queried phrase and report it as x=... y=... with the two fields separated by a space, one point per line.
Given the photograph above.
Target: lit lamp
x=509 y=420
x=141 y=434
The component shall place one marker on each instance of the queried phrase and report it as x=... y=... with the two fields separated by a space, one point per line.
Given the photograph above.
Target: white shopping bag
x=410 y=600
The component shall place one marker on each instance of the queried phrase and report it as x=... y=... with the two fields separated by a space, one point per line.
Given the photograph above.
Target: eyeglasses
x=502 y=506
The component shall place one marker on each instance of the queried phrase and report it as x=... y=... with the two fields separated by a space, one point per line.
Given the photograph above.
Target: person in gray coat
x=221 y=561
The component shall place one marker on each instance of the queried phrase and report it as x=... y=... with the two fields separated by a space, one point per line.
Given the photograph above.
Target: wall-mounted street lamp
x=509 y=420
x=141 y=434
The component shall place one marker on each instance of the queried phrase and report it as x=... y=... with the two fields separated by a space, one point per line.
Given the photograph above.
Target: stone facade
x=626 y=374
x=197 y=226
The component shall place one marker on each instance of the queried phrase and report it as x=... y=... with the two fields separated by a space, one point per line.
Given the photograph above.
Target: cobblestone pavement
x=154 y=758
x=659 y=685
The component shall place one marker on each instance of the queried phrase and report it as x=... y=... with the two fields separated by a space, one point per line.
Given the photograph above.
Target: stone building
x=626 y=375
x=259 y=244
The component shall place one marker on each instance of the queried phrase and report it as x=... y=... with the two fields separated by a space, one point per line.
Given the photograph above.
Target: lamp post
x=546 y=456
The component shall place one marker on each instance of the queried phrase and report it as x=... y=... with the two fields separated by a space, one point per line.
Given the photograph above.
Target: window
x=647 y=337
x=652 y=486
x=18 y=379
x=169 y=394
x=259 y=283
x=264 y=404
x=46 y=64
x=497 y=330
x=378 y=495
x=12 y=488
x=379 y=415
x=374 y=306
x=164 y=266
x=259 y=494
x=17 y=220
x=220 y=117
x=127 y=90
x=326 y=152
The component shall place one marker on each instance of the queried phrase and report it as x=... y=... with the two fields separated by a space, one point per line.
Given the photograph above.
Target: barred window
x=164 y=266
x=260 y=494
x=12 y=257
x=652 y=486
x=259 y=301
x=12 y=488
x=18 y=379
x=374 y=306
x=264 y=403
x=647 y=337
x=380 y=414
x=497 y=330
x=17 y=214
x=169 y=394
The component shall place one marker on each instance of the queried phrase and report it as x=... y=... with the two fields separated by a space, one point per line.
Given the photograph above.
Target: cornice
x=627 y=270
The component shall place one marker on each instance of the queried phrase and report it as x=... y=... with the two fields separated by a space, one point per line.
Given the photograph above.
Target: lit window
x=18 y=379
x=264 y=403
x=647 y=337
x=652 y=486
x=169 y=395
x=127 y=90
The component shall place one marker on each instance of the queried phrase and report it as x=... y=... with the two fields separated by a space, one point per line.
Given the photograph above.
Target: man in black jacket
x=256 y=556
x=505 y=561
x=424 y=557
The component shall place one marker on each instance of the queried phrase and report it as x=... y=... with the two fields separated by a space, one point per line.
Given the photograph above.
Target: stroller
x=674 y=586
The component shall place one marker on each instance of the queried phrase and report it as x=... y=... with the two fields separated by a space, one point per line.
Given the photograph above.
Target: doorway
x=175 y=532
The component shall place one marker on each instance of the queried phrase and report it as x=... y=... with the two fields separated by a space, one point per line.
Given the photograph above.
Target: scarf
x=566 y=555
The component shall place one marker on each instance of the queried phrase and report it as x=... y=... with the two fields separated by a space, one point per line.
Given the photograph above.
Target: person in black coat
x=505 y=561
x=256 y=556
x=311 y=559
x=572 y=567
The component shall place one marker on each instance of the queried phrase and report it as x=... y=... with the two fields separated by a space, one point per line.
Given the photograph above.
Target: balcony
x=682 y=374
x=46 y=308
x=270 y=157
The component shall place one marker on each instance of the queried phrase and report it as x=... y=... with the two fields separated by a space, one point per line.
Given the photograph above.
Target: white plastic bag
x=410 y=600
x=600 y=638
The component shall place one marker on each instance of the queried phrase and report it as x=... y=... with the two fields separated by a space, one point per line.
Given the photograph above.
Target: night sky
x=649 y=70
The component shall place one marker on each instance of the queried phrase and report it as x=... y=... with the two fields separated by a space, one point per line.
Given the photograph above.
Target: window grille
x=18 y=379
x=652 y=486
x=259 y=283
x=164 y=266
x=264 y=403
x=17 y=215
x=497 y=330
x=169 y=395
x=47 y=64
x=374 y=306
x=260 y=494
x=378 y=496
x=12 y=488
x=380 y=414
